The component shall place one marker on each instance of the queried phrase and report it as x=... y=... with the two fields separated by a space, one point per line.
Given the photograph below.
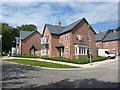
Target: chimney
x=114 y=31
x=99 y=31
x=59 y=23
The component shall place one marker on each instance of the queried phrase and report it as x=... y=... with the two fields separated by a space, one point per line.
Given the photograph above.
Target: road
x=22 y=76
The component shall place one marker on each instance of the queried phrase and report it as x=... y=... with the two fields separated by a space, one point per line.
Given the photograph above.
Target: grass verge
x=77 y=61
x=40 y=63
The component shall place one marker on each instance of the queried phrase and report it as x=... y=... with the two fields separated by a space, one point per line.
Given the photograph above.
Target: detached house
x=75 y=40
x=109 y=40
x=28 y=42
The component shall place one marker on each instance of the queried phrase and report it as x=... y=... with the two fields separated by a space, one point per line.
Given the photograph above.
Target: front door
x=61 y=52
x=32 y=51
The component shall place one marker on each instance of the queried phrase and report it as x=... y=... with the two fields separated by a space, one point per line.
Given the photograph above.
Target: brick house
x=69 y=41
x=109 y=40
x=28 y=42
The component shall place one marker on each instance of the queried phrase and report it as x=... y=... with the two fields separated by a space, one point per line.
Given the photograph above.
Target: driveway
x=104 y=75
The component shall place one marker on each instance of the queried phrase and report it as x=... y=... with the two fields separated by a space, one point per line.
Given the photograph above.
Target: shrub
x=77 y=61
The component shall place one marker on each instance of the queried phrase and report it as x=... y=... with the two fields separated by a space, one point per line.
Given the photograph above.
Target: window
x=79 y=37
x=60 y=39
x=107 y=52
x=106 y=43
x=89 y=38
x=113 y=43
x=76 y=50
x=44 y=51
x=113 y=50
x=66 y=37
x=44 y=40
x=89 y=50
x=66 y=50
x=79 y=50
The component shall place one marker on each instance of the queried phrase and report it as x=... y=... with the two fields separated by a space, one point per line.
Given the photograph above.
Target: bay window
x=80 y=49
x=44 y=51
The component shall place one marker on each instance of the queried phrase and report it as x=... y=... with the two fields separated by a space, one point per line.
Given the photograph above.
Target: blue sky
x=101 y=15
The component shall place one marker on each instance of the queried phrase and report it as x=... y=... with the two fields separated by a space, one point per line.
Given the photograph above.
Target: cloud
x=60 y=0
x=93 y=12
x=40 y=13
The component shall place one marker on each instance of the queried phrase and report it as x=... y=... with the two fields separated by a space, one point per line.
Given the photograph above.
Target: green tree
x=118 y=29
x=9 y=33
x=8 y=36
x=29 y=27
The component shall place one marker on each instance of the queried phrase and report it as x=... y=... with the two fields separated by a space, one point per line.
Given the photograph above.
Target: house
x=109 y=40
x=28 y=42
x=71 y=41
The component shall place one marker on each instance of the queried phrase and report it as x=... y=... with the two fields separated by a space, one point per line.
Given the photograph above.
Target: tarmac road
x=104 y=75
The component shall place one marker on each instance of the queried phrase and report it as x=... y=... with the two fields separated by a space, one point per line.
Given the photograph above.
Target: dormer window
x=66 y=37
x=79 y=37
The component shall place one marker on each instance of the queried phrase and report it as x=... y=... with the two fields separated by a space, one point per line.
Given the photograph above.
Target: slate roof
x=112 y=36
x=25 y=34
x=54 y=29
x=108 y=36
x=100 y=36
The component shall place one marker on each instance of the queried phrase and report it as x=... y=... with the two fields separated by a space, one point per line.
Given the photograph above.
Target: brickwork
x=81 y=29
x=32 y=40
x=114 y=48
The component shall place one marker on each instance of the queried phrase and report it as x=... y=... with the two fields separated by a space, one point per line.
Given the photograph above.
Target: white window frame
x=45 y=52
x=89 y=50
x=66 y=38
x=66 y=50
x=60 y=39
x=89 y=38
x=44 y=40
x=79 y=37
x=80 y=50
x=107 y=43
x=113 y=43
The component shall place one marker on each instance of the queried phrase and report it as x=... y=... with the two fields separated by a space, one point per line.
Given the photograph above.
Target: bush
x=77 y=61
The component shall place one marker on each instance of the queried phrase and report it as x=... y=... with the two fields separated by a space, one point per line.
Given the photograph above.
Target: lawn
x=40 y=63
x=77 y=61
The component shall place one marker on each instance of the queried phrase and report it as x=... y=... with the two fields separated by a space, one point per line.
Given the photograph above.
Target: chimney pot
x=99 y=31
x=59 y=23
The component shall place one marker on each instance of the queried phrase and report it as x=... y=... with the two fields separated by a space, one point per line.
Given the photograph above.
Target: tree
x=118 y=29
x=9 y=33
x=29 y=27
x=7 y=37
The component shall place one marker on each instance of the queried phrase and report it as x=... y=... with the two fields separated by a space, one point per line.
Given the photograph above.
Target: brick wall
x=110 y=46
x=82 y=29
x=99 y=44
x=66 y=43
x=26 y=44
x=47 y=33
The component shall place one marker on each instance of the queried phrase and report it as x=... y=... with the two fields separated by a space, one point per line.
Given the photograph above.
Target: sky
x=100 y=15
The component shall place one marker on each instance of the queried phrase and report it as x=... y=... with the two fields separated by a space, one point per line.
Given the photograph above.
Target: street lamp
x=89 y=40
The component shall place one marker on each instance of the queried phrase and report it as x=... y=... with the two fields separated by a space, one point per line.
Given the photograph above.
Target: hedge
x=77 y=61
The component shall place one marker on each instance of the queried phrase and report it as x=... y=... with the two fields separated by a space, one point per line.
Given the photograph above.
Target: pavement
x=103 y=75
x=72 y=64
